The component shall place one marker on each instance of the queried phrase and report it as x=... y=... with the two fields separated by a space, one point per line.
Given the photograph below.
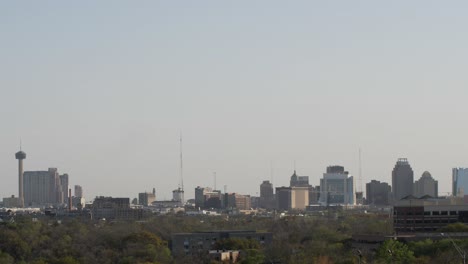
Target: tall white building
x=337 y=187
x=459 y=181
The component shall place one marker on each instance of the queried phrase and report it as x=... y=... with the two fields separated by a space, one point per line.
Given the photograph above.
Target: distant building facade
x=78 y=191
x=337 y=187
x=402 y=179
x=178 y=195
x=200 y=196
x=114 y=208
x=298 y=181
x=426 y=185
x=202 y=242
x=11 y=202
x=237 y=201
x=460 y=181
x=267 y=196
x=44 y=188
x=378 y=193
x=147 y=199
x=283 y=198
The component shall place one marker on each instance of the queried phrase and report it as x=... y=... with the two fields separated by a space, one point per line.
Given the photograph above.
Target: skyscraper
x=42 y=188
x=378 y=193
x=426 y=185
x=78 y=191
x=20 y=156
x=267 y=197
x=299 y=181
x=460 y=181
x=64 y=185
x=402 y=179
x=337 y=187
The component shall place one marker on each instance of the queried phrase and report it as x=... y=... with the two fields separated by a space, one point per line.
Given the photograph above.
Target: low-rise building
x=194 y=243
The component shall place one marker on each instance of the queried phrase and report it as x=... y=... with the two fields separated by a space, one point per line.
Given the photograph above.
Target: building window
x=444 y=213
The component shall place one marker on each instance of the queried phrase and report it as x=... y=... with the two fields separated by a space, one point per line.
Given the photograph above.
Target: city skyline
x=291 y=182
x=102 y=91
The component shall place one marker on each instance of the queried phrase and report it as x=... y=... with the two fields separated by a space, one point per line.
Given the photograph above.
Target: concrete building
x=200 y=196
x=237 y=201
x=202 y=242
x=337 y=187
x=147 y=199
x=43 y=188
x=267 y=196
x=224 y=256
x=460 y=181
x=428 y=214
x=402 y=179
x=298 y=181
x=283 y=198
x=426 y=185
x=299 y=197
x=314 y=194
x=11 y=202
x=178 y=195
x=20 y=156
x=64 y=184
x=378 y=193
x=114 y=208
x=213 y=199
x=78 y=191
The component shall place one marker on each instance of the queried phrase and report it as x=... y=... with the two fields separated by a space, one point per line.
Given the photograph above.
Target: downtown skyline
x=102 y=92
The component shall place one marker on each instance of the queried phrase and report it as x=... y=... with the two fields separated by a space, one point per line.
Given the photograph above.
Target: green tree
x=392 y=251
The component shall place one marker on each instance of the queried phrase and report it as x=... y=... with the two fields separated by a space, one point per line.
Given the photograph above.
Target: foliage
x=392 y=251
x=455 y=227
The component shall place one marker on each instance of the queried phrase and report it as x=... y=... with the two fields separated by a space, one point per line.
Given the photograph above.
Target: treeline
x=295 y=240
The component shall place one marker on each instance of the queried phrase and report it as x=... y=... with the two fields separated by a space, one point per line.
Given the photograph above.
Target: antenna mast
x=214 y=177
x=181 y=165
x=360 y=171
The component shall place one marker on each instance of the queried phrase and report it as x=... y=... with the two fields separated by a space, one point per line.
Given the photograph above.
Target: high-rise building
x=283 y=198
x=402 y=179
x=299 y=181
x=64 y=184
x=267 y=197
x=78 y=191
x=314 y=194
x=299 y=197
x=378 y=193
x=42 y=188
x=426 y=185
x=460 y=181
x=200 y=196
x=337 y=187
x=20 y=156
x=238 y=201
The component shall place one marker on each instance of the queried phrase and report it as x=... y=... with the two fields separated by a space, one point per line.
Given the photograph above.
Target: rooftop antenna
x=214 y=177
x=360 y=171
x=294 y=165
x=21 y=145
x=225 y=188
x=181 y=165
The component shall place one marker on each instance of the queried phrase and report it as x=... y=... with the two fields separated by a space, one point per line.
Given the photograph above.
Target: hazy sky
x=102 y=89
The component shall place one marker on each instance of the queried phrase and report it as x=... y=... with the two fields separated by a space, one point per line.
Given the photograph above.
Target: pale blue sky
x=101 y=90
